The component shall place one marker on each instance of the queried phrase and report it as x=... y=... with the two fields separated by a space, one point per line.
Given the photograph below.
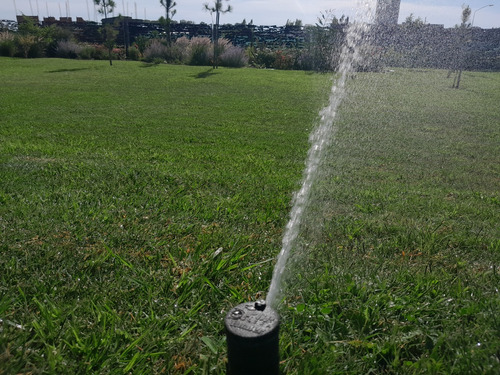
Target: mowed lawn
x=139 y=203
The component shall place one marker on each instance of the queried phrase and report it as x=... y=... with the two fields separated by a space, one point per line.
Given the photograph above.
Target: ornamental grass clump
x=183 y=46
x=67 y=49
x=134 y=54
x=199 y=51
x=234 y=57
x=7 y=44
x=87 y=52
x=222 y=45
x=156 y=50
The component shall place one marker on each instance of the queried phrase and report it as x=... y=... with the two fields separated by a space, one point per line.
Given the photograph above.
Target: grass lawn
x=139 y=203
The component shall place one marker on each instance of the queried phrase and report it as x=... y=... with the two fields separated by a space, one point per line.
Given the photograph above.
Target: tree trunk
x=457 y=80
x=216 y=41
x=169 y=36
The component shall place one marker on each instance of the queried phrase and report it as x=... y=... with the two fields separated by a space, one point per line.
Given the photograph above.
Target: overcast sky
x=262 y=12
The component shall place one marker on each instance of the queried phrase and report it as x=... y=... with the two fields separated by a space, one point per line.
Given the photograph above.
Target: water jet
x=252 y=328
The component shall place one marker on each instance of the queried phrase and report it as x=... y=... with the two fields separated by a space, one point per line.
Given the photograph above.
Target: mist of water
x=320 y=139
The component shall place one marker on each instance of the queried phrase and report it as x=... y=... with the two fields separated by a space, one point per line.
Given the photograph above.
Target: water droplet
x=478 y=344
x=236 y=314
x=320 y=139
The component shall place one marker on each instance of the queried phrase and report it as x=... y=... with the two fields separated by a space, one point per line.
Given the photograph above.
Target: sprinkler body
x=252 y=333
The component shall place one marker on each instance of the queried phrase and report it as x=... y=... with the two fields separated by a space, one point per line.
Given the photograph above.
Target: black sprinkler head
x=252 y=332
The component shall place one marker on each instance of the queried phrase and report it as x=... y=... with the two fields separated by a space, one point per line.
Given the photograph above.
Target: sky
x=262 y=12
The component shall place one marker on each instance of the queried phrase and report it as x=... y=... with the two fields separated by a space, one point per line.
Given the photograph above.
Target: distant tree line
x=413 y=44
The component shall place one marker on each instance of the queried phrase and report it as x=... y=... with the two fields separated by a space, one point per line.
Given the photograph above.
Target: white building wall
x=387 y=12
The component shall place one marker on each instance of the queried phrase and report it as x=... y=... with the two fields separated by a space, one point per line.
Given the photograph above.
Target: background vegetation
x=32 y=41
x=138 y=204
x=412 y=44
x=320 y=51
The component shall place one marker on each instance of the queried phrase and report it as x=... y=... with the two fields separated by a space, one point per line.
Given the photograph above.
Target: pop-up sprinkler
x=252 y=339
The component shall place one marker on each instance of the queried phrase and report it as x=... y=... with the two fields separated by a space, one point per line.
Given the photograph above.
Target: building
x=9 y=25
x=387 y=12
x=23 y=19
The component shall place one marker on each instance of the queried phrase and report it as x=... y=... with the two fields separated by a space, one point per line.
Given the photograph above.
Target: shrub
x=37 y=50
x=263 y=58
x=157 y=60
x=7 y=45
x=284 y=60
x=372 y=59
x=31 y=40
x=6 y=35
x=87 y=52
x=7 y=48
x=183 y=44
x=25 y=44
x=234 y=57
x=134 y=54
x=67 y=49
x=305 y=60
x=53 y=35
x=101 y=53
x=199 y=51
x=175 y=54
x=118 y=54
x=141 y=43
x=156 y=50
x=222 y=45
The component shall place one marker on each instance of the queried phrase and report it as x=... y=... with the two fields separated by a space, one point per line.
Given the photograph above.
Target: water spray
x=252 y=328
x=252 y=334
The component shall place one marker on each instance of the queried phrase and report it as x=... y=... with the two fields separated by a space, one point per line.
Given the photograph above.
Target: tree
x=169 y=14
x=142 y=42
x=466 y=16
x=35 y=41
x=296 y=23
x=109 y=34
x=462 y=32
x=324 y=40
x=412 y=22
x=105 y=6
x=416 y=51
x=217 y=8
x=30 y=38
x=108 y=31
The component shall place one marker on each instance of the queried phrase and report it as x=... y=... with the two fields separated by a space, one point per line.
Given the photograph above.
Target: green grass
x=138 y=204
x=401 y=249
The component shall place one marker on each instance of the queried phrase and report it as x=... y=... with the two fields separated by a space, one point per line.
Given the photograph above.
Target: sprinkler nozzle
x=252 y=339
x=260 y=305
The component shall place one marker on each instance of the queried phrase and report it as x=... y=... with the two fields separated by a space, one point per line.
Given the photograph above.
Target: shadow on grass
x=67 y=70
x=206 y=74
x=148 y=64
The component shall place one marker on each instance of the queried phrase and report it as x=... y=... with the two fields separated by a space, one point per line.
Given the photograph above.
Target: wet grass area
x=137 y=206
